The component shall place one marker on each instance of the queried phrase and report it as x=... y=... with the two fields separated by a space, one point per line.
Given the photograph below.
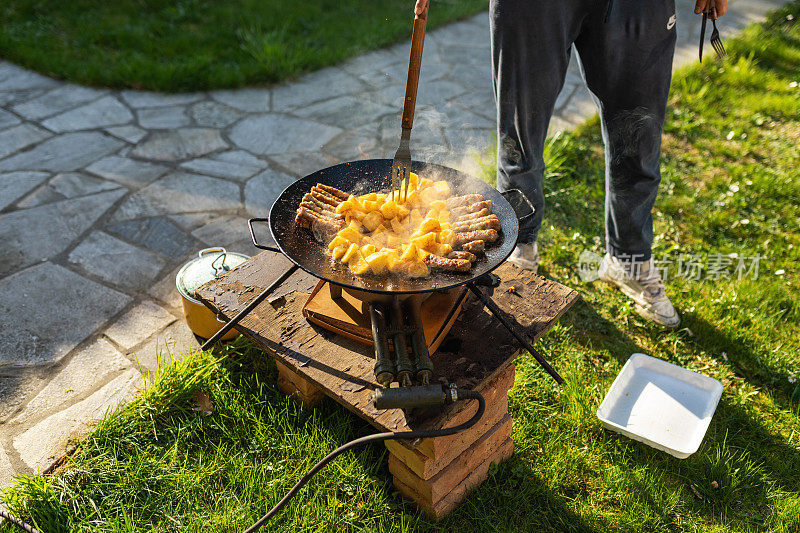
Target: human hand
x=721 y=7
x=421 y=6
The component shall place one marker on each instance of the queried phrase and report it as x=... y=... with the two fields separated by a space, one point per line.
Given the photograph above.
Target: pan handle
x=523 y=208
x=253 y=235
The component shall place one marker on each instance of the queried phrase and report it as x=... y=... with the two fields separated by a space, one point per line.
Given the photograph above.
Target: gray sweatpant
x=626 y=62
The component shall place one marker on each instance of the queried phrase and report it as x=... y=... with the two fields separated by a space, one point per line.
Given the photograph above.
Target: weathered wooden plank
x=476 y=350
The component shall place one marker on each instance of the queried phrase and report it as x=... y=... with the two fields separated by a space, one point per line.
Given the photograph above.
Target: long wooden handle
x=417 y=40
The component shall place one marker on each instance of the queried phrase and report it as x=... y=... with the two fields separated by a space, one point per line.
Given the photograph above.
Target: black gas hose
x=385 y=399
x=448 y=396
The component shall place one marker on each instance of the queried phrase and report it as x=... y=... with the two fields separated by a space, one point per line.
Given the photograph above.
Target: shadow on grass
x=747 y=364
x=514 y=498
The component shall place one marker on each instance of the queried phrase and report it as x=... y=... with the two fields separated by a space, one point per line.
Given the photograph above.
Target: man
x=625 y=48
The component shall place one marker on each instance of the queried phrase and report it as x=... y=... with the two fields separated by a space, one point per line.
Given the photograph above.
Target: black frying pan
x=373 y=175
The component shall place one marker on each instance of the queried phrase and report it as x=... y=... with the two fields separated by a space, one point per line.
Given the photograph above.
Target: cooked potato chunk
x=442 y=187
x=394 y=263
x=359 y=267
x=377 y=262
x=338 y=241
x=442 y=249
x=418 y=269
x=339 y=252
x=446 y=236
x=409 y=253
x=343 y=207
x=393 y=241
x=354 y=202
x=429 y=224
x=426 y=242
x=397 y=226
x=350 y=253
x=390 y=209
x=349 y=234
x=372 y=220
x=384 y=233
x=369 y=206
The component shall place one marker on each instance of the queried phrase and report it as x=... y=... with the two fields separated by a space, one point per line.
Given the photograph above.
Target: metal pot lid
x=210 y=263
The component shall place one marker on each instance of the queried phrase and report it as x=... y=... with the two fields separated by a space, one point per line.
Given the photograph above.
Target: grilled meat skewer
x=472 y=208
x=452 y=265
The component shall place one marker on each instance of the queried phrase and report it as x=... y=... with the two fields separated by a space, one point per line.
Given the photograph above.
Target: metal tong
x=401 y=166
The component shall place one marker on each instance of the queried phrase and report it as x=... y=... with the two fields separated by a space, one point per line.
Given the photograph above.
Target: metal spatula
x=401 y=166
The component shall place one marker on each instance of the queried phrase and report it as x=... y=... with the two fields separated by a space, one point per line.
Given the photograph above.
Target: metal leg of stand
x=244 y=312
x=336 y=291
x=498 y=313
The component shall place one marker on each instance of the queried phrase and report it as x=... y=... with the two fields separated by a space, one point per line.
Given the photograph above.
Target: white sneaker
x=525 y=256
x=642 y=283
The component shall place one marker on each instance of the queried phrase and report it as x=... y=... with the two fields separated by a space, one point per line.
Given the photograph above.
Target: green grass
x=157 y=465
x=190 y=45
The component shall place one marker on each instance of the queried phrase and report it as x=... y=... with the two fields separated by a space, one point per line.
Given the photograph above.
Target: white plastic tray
x=661 y=404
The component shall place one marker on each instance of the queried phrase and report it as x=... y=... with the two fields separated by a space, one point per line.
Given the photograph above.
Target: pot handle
x=253 y=235
x=205 y=251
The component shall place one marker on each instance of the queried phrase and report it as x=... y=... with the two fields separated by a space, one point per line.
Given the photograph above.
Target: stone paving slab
x=137 y=325
x=180 y=144
x=108 y=111
x=44 y=313
x=155 y=233
x=32 y=235
x=58 y=100
x=13 y=185
x=44 y=443
x=154 y=118
x=237 y=165
x=20 y=137
x=104 y=194
x=116 y=261
x=8 y=119
x=279 y=133
x=85 y=370
x=180 y=192
x=71 y=151
x=128 y=172
x=66 y=185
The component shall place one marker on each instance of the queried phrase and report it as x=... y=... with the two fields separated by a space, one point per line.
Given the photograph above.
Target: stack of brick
x=293 y=384
x=439 y=473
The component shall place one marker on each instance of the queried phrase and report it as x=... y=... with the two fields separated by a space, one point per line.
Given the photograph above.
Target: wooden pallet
x=477 y=354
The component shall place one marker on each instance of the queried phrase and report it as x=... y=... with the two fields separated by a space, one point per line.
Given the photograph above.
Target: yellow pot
x=209 y=264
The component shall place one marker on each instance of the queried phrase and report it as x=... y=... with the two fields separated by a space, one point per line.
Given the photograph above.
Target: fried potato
x=409 y=253
x=372 y=220
x=338 y=252
x=429 y=224
x=418 y=269
x=350 y=253
x=385 y=234
x=349 y=234
x=426 y=242
x=338 y=241
x=377 y=262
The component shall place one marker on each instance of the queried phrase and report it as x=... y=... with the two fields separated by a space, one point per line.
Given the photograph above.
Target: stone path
x=104 y=194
